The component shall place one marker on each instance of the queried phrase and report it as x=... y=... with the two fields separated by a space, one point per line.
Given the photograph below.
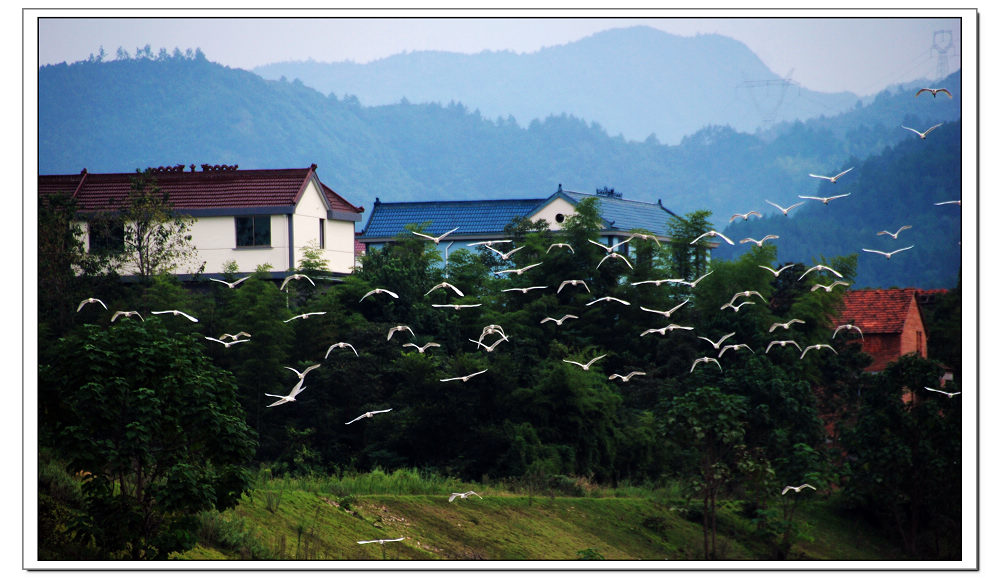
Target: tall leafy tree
x=156 y=430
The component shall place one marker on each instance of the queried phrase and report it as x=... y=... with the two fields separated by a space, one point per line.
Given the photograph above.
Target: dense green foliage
x=97 y=114
x=163 y=421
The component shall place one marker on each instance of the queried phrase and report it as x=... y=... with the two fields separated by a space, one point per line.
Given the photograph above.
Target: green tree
x=707 y=425
x=155 y=238
x=156 y=429
x=906 y=458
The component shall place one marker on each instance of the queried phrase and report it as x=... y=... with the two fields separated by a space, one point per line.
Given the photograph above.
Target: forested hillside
x=626 y=381
x=131 y=114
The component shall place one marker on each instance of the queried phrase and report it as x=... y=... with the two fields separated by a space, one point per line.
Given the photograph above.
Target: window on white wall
x=253 y=231
x=322 y=233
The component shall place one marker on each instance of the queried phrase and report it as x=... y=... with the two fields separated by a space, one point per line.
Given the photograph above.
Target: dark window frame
x=255 y=231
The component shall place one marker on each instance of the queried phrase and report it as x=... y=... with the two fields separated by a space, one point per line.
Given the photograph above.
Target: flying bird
x=230 y=284
x=465 y=378
x=506 y=255
x=647 y=237
x=456 y=306
x=304 y=316
x=735 y=347
x=235 y=336
x=284 y=399
x=341 y=345
x=830 y=179
x=559 y=246
x=716 y=344
x=797 y=489
x=820 y=268
x=777 y=272
x=492 y=329
x=489 y=348
x=558 y=322
x=421 y=349
x=518 y=271
x=656 y=282
x=585 y=367
x=691 y=283
x=817 y=347
x=176 y=313
x=608 y=299
x=610 y=248
x=737 y=307
x=747 y=294
x=934 y=91
x=625 y=378
x=379 y=290
x=847 y=327
x=785 y=325
x=296 y=276
x=947 y=393
x=888 y=255
x=712 y=233
x=746 y=216
x=463 y=495
x=781 y=343
x=825 y=199
x=785 y=211
x=369 y=415
x=381 y=541
x=525 y=289
x=923 y=135
x=614 y=256
x=476 y=244
x=443 y=284
x=958 y=202
x=90 y=301
x=829 y=288
x=759 y=243
x=894 y=235
x=302 y=374
x=224 y=343
x=573 y=282
x=665 y=313
x=399 y=328
x=705 y=360
x=436 y=239
x=126 y=314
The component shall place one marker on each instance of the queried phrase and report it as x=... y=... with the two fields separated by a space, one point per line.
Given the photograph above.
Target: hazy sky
x=828 y=51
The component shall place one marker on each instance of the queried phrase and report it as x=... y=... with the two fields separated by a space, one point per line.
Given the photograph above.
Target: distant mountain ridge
x=131 y=114
x=636 y=81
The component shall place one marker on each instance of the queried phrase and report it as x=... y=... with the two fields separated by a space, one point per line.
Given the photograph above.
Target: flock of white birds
x=612 y=254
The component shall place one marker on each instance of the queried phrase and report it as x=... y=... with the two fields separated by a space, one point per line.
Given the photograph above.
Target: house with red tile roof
x=890 y=320
x=251 y=217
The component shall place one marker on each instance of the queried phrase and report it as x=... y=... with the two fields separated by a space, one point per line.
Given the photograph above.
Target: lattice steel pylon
x=769 y=112
x=942 y=44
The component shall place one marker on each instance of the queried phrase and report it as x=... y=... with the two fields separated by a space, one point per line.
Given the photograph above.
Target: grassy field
x=323 y=519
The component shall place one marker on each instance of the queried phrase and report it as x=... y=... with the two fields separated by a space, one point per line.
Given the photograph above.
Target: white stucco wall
x=549 y=212
x=215 y=239
x=339 y=239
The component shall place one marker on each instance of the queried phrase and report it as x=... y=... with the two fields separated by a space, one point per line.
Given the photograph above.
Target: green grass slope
x=302 y=524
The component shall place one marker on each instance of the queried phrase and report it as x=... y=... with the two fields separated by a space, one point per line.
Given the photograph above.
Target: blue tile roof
x=471 y=217
x=627 y=215
x=483 y=217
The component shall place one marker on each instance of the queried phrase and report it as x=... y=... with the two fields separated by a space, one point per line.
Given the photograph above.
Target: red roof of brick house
x=878 y=311
x=890 y=320
x=214 y=188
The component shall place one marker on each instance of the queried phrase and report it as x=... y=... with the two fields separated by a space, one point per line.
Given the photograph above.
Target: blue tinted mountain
x=636 y=81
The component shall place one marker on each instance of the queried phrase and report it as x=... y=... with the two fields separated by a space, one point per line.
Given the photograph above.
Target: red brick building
x=891 y=323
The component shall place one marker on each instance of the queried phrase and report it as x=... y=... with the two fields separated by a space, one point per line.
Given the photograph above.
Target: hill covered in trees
x=113 y=116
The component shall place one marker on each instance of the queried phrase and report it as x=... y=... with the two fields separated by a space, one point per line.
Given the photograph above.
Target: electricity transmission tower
x=943 y=45
x=768 y=109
